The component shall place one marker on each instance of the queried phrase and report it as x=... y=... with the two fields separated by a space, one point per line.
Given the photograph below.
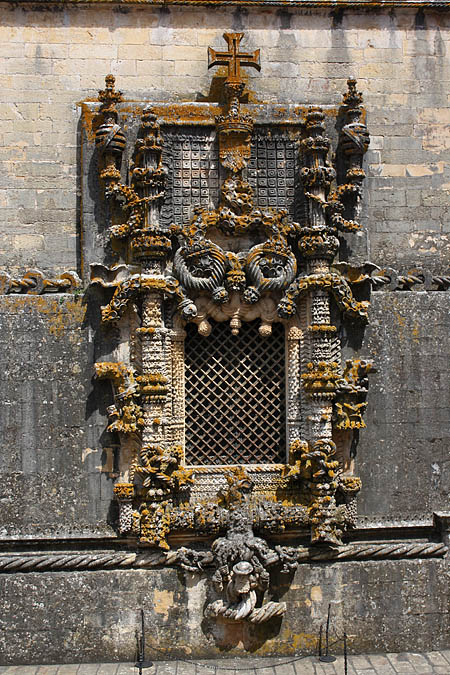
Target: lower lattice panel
x=235 y=395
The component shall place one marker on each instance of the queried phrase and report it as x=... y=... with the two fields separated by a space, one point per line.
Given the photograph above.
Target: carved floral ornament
x=240 y=261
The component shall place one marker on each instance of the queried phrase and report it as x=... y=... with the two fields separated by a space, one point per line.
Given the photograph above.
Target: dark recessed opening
x=235 y=395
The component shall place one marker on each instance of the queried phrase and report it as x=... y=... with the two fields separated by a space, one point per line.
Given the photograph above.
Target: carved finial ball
x=110 y=81
x=204 y=328
x=265 y=330
x=235 y=324
x=148 y=115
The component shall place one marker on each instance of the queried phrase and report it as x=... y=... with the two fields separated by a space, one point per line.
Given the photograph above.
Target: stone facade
x=54 y=58
x=59 y=518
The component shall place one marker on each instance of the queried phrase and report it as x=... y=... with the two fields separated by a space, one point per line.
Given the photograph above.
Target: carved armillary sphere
x=233 y=58
x=242 y=260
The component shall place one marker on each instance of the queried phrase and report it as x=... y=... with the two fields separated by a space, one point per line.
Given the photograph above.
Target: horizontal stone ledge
x=48 y=562
x=336 y=4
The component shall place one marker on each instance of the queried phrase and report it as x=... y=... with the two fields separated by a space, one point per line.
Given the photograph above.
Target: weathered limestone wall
x=52 y=59
x=55 y=449
x=54 y=463
x=57 y=461
x=92 y=616
x=56 y=500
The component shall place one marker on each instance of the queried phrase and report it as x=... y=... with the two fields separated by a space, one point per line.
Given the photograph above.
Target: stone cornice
x=332 y=4
x=70 y=561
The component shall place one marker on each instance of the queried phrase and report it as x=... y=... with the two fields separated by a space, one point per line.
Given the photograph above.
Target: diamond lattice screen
x=235 y=395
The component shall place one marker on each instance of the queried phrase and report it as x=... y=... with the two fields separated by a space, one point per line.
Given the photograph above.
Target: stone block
x=417 y=170
x=183 y=53
x=141 y=52
x=438 y=659
x=31 y=242
x=132 y=35
x=391 y=170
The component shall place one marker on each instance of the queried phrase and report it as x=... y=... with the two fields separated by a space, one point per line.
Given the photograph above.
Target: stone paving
x=437 y=663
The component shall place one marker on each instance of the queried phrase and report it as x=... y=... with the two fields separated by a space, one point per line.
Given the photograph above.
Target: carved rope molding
x=49 y=562
x=380 y=279
x=232 y=253
x=389 y=279
x=335 y=4
x=34 y=282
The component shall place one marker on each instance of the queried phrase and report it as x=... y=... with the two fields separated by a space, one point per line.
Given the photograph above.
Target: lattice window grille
x=235 y=394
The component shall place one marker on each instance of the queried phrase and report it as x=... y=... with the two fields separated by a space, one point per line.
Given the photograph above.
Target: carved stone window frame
x=239 y=256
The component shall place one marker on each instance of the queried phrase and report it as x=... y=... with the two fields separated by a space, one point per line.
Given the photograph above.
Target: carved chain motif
x=235 y=262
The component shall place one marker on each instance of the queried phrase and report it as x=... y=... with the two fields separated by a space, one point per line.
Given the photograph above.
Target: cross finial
x=233 y=58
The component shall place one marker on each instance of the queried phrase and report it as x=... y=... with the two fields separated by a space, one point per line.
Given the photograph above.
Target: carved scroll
x=238 y=261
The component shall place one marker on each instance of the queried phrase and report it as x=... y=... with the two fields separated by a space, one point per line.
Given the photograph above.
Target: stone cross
x=233 y=58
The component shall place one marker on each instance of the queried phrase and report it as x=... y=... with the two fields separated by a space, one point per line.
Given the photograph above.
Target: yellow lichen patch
x=62 y=313
x=72 y=312
x=401 y=319
x=87 y=119
x=163 y=601
x=61 y=317
x=305 y=641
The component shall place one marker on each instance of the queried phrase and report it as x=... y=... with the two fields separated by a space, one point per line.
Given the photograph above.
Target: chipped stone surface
x=43 y=611
x=58 y=449
x=50 y=427
x=58 y=462
x=399 y=56
x=403 y=452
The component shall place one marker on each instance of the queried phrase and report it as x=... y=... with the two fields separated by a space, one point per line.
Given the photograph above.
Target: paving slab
x=401 y=663
x=129 y=669
x=302 y=667
x=435 y=663
x=286 y=669
x=420 y=663
x=339 y=665
x=361 y=663
x=437 y=659
x=381 y=663
x=185 y=668
x=324 y=668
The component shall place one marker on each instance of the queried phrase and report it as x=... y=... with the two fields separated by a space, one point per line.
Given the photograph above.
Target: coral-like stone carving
x=241 y=559
x=126 y=414
x=352 y=390
x=241 y=260
x=201 y=265
x=34 y=282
